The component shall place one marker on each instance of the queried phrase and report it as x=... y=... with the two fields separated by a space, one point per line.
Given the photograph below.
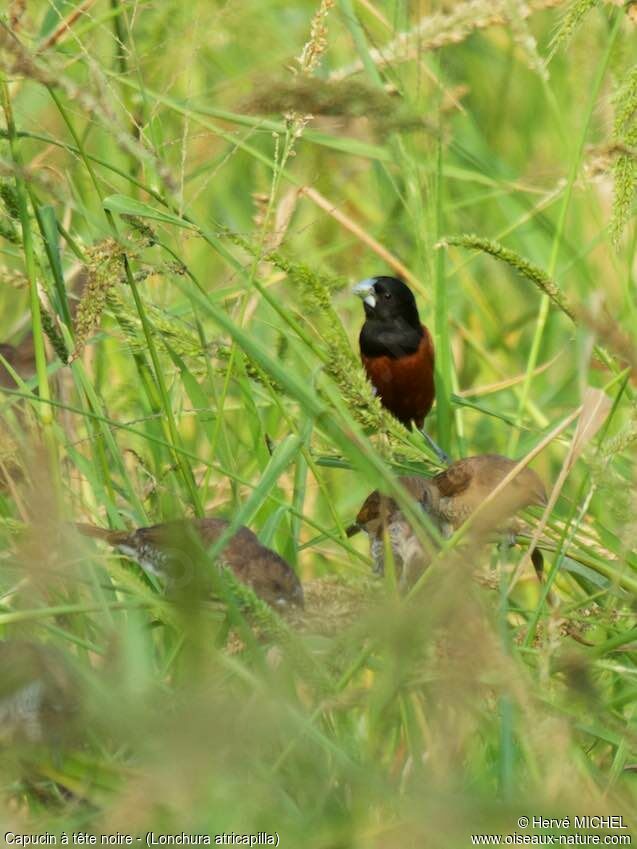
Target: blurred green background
x=189 y=191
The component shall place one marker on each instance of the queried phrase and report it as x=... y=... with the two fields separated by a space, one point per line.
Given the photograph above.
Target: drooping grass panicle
x=341 y=363
x=572 y=18
x=527 y=269
x=315 y=291
x=104 y=267
x=253 y=370
x=622 y=441
x=443 y=28
x=53 y=333
x=181 y=337
x=142 y=229
x=518 y=14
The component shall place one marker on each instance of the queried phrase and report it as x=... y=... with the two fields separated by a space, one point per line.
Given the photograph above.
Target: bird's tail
x=537 y=558
x=109 y=536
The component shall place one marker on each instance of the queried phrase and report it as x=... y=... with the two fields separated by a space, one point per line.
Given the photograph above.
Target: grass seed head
x=625 y=168
x=9 y=198
x=571 y=20
x=104 y=262
x=315 y=47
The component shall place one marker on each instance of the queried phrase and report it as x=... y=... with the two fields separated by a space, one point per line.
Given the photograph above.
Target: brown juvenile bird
x=38 y=693
x=381 y=516
x=396 y=349
x=449 y=499
x=161 y=549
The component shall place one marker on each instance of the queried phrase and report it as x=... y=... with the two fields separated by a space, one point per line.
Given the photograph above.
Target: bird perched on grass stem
x=166 y=551
x=397 y=351
x=449 y=499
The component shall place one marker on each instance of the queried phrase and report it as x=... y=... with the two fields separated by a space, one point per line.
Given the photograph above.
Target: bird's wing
x=207 y=531
x=377 y=506
x=454 y=480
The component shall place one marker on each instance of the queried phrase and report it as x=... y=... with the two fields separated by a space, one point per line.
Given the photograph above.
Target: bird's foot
x=537 y=558
x=444 y=458
x=507 y=540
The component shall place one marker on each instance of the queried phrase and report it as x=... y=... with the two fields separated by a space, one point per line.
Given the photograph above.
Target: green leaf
x=123 y=205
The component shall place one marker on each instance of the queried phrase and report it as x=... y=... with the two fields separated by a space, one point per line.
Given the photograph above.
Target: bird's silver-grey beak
x=365 y=290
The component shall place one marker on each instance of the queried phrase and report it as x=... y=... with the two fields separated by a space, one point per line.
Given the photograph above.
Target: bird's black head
x=388 y=299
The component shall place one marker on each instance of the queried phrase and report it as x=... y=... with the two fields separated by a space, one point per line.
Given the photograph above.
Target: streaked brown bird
x=449 y=499
x=38 y=693
x=163 y=550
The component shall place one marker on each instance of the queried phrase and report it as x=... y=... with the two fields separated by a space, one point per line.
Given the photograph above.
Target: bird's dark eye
x=387 y=295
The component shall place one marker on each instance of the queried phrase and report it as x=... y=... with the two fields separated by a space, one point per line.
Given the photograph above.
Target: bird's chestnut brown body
x=405 y=384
